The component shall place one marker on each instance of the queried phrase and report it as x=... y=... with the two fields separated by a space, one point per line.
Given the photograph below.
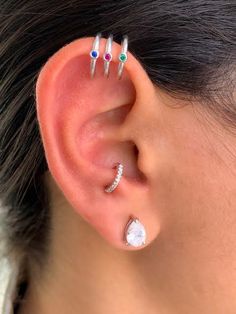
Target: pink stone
x=108 y=57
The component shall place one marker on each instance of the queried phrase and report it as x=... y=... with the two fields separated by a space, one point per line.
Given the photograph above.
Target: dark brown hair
x=186 y=47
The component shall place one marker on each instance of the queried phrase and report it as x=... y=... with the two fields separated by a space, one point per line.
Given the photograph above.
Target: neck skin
x=84 y=274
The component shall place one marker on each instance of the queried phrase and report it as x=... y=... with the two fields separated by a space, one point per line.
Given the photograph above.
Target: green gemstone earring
x=123 y=56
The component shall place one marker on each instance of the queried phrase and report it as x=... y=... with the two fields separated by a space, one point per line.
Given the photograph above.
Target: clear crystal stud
x=135 y=233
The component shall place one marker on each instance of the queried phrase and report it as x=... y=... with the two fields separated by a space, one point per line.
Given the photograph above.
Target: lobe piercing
x=118 y=177
x=135 y=233
x=94 y=54
x=107 y=57
x=123 y=56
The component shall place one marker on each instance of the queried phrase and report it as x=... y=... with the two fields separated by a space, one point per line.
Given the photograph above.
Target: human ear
x=88 y=125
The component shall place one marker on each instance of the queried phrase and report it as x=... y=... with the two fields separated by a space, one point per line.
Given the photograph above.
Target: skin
x=181 y=185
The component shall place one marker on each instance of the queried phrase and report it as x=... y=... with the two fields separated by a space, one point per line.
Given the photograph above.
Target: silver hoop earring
x=117 y=179
x=135 y=233
x=107 y=57
x=123 y=56
x=94 y=54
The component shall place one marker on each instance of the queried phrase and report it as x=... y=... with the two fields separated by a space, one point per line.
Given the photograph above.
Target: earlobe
x=82 y=123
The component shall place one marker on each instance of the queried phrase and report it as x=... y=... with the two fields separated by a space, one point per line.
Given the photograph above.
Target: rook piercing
x=123 y=56
x=115 y=183
x=94 y=54
x=107 y=57
x=135 y=233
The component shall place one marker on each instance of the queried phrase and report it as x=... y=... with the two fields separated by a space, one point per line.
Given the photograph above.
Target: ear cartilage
x=94 y=54
x=135 y=233
x=107 y=57
x=117 y=179
x=123 y=56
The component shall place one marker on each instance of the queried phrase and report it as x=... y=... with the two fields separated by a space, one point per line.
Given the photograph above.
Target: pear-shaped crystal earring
x=135 y=233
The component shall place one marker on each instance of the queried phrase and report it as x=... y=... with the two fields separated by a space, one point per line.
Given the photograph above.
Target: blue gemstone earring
x=94 y=54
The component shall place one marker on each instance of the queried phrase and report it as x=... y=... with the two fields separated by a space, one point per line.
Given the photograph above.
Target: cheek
x=193 y=190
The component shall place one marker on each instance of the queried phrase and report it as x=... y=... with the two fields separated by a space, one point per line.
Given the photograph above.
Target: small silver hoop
x=107 y=57
x=123 y=56
x=94 y=54
x=118 y=177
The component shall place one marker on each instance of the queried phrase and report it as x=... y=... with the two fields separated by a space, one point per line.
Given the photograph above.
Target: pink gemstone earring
x=123 y=57
x=107 y=57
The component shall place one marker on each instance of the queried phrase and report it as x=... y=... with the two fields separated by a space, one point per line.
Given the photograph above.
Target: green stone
x=123 y=57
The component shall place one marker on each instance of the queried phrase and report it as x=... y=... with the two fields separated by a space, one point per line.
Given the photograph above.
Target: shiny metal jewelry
x=94 y=54
x=107 y=57
x=135 y=233
x=118 y=177
x=123 y=56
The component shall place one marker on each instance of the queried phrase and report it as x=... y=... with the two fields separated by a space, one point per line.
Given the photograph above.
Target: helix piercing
x=135 y=233
x=94 y=54
x=123 y=56
x=117 y=179
x=107 y=57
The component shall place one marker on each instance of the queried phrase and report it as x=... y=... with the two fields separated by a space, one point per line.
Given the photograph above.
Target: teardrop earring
x=135 y=233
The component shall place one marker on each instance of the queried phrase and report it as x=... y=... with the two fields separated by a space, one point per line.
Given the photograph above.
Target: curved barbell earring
x=117 y=179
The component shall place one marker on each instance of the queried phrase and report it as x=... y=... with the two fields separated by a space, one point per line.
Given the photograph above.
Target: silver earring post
x=117 y=179
x=107 y=57
x=94 y=54
x=123 y=56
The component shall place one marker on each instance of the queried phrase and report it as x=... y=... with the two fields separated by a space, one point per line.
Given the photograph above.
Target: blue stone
x=94 y=54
